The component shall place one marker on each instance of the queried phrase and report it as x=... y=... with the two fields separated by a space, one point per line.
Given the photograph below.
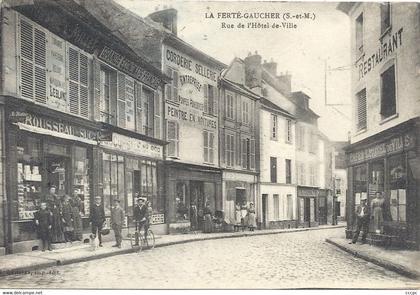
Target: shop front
x=308 y=206
x=45 y=149
x=385 y=170
x=133 y=167
x=189 y=188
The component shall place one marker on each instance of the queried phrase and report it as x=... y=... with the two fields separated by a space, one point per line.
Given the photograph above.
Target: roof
x=273 y=82
x=345 y=6
x=265 y=103
x=240 y=88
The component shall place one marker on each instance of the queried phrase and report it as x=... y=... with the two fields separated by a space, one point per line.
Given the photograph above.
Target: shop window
x=210 y=99
x=171 y=90
x=173 y=138
x=81 y=183
x=230 y=150
x=29 y=177
x=208 y=146
x=398 y=187
x=388 y=100
x=229 y=106
x=385 y=16
x=182 y=212
x=274 y=126
x=288 y=171
x=113 y=180
x=289 y=131
x=359 y=34
x=276 y=202
x=360 y=183
x=361 y=110
x=376 y=178
x=273 y=169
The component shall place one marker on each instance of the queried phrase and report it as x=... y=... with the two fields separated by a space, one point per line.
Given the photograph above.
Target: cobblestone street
x=290 y=260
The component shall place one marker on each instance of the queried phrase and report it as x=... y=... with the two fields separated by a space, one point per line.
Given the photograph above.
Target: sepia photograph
x=209 y=145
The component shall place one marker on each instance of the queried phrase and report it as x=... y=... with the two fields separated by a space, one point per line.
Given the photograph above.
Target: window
x=210 y=99
x=229 y=150
x=148 y=111
x=245 y=111
x=312 y=175
x=229 y=106
x=173 y=138
x=388 y=103
x=359 y=34
x=360 y=183
x=276 y=207
x=105 y=95
x=289 y=131
x=78 y=82
x=273 y=169
x=252 y=154
x=208 y=146
x=385 y=16
x=288 y=171
x=361 y=110
x=273 y=127
x=398 y=187
x=125 y=102
x=171 y=90
x=289 y=207
x=337 y=186
x=302 y=174
x=113 y=180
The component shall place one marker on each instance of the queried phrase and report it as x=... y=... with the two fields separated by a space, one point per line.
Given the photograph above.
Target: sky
x=300 y=51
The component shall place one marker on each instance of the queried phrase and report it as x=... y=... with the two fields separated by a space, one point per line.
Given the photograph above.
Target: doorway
x=58 y=173
x=197 y=202
x=264 y=210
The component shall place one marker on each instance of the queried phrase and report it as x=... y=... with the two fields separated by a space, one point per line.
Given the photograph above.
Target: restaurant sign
x=129 y=67
x=391 y=146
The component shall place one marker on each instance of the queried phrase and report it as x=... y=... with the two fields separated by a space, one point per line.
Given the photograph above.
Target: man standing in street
x=362 y=221
x=117 y=221
x=97 y=218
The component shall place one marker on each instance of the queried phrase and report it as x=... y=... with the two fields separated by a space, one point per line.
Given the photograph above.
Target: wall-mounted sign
x=189 y=116
x=382 y=53
x=158 y=218
x=129 y=67
x=391 y=146
x=307 y=192
x=134 y=146
x=56 y=74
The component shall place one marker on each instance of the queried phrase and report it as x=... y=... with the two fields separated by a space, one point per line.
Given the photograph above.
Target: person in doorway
x=97 y=218
x=194 y=216
x=208 y=223
x=238 y=216
x=117 y=222
x=362 y=221
x=54 y=206
x=43 y=221
x=251 y=217
x=377 y=212
x=244 y=213
x=67 y=219
x=77 y=208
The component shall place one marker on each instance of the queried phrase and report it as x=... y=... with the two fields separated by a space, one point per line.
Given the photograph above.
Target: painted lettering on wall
x=386 y=49
x=188 y=116
x=187 y=79
x=56 y=76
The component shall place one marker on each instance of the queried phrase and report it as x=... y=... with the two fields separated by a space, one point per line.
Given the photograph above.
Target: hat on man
x=97 y=197
x=141 y=199
x=363 y=198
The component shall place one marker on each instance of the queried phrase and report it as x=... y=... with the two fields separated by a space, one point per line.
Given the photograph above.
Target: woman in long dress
x=208 y=224
x=238 y=216
x=67 y=214
x=251 y=217
x=77 y=217
x=377 y=212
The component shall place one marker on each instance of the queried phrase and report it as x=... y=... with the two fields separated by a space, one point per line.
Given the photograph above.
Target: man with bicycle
x=141 y=217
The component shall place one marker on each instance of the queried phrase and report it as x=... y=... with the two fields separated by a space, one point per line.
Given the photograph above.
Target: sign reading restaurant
x=391 y=146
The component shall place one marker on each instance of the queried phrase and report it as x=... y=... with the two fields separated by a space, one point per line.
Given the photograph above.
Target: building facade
x=384 y=153
x=340 y=179
x=238 y=139
x=80 y=111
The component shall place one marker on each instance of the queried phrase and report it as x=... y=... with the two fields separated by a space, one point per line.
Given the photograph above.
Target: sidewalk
x=404 y=262
x=28 y=261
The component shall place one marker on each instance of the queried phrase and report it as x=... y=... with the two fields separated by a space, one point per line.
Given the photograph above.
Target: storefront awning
x=38 y=130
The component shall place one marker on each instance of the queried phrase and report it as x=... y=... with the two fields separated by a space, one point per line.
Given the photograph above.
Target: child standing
x=43 y=221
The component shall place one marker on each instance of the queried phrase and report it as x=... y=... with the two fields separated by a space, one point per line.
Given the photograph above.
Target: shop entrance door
x=58 y=173
x=264 y=210
x=307 y=210
x=197 y=200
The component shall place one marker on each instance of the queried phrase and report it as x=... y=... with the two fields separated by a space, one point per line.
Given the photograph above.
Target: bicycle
x=139 y=241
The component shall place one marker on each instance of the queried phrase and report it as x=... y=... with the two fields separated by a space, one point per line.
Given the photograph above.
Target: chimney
x=253 y=70
x=167 y=17
x=271 y=67
x=285 y=82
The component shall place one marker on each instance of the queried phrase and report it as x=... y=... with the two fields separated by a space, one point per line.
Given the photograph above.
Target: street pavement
x=289 y=260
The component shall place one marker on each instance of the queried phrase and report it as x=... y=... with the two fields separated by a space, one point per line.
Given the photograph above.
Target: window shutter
x=84 y=86
x=26 y=62
x=171 y=138
x=168 y=87
x=361 y=110
x=78 y=74
x=252 y=154
x=98 y=103
x=211 y=147
x=175 y=86
x=73 y=66
x=206 y=98
x=129 y=103
x=238 y=150
x=137 y=92
x=244 y=153
x=40 y=67
x=206 y=145
x=157 y=110
x=121 y=100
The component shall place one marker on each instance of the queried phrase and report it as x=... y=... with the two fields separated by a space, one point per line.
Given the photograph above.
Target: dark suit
x=44 y=219
x=97 y=217
x=362 y=222
x=117 y=222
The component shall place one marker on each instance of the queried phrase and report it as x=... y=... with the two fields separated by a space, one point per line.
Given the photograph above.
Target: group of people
x=245 y=216
x=59 y=219
x=365 y=214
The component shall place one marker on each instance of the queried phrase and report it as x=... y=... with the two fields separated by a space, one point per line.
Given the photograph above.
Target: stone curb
x=400 y=269
x=58 y=262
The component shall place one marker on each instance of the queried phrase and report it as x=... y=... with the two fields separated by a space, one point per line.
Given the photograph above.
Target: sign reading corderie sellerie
x=129 y=67
x=391 y=146
x=134 y=146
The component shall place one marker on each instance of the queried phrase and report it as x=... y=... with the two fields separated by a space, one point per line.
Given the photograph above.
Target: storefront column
x=96 y=174
x=3 y=203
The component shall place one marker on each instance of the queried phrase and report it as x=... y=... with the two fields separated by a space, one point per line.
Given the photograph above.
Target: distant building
x=340 y=179
x=384 y=152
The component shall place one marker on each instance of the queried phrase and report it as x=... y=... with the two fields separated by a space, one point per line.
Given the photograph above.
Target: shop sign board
x=307 y=192
x=158 y=218
x=134 y=146
x=394 y=145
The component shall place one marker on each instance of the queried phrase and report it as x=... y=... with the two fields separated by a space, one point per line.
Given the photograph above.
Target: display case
x=81 y=183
